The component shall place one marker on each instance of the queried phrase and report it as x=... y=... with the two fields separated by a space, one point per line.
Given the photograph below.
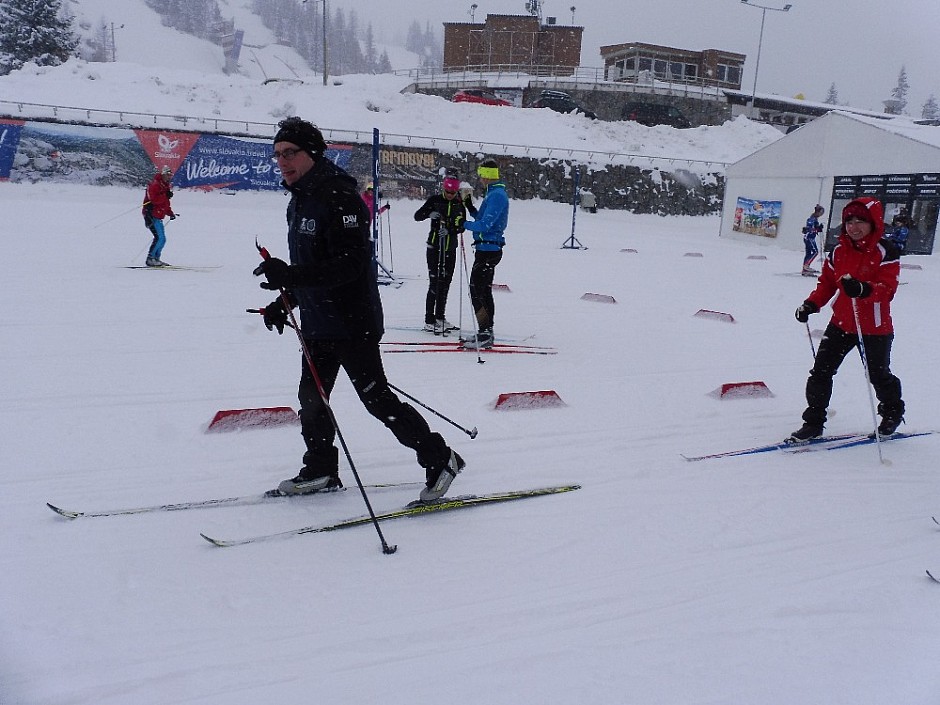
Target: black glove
x=276 y=271
x=388 y=206
x=806 y=309
x=169 y=194
x=172 y=216
x=275 y=316
x=855 y=289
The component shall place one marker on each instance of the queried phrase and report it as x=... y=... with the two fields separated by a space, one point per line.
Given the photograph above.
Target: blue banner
x=216 y=162
x=9 y=139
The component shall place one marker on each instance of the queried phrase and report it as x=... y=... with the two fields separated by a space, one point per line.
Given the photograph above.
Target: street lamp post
x=326 y=55
x=760 y=42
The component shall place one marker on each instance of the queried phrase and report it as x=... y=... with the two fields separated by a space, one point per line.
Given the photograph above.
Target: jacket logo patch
x=350 y=221
x=308 y=225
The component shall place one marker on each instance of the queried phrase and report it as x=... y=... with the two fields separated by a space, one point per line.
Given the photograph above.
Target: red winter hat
x=451 y=184
x=859 y=209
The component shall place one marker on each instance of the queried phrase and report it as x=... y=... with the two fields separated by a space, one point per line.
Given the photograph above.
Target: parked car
x=562 y=103
x=478 y=95
x=650 y=114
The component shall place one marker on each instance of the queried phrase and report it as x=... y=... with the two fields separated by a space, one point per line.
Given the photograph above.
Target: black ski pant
x=481 y=286
x=363 y=364
x=441 y=265
x=834 y=346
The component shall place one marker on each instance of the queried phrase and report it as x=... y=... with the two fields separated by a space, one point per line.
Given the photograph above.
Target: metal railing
x=262 y=130
x=572 y=77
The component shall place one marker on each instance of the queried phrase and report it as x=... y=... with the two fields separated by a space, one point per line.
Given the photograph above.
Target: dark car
x=651 y=114
x=561 y=102
x=478 y=95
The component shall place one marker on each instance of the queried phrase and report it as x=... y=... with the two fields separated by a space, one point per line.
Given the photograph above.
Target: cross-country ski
x=413 y=509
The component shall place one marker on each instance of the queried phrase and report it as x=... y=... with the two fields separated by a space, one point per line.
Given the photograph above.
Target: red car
x=477 y=95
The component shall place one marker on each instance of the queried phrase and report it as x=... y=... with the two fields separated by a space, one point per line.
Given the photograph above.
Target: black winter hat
x=302 y=133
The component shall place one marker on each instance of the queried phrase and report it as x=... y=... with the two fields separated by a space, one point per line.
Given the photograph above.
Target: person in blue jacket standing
x=488 y=230
x=810 y=232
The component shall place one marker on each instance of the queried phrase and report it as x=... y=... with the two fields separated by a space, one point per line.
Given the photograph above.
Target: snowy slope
x=773 y=579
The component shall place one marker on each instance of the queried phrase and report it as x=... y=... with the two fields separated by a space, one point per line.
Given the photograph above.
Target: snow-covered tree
x=34 y=30
x=899 y=92
x=930 y=110
x=832 y=97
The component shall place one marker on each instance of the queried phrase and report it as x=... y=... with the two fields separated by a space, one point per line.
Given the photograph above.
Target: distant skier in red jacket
x=368 y=197
x=862 y=273
x=156 y=207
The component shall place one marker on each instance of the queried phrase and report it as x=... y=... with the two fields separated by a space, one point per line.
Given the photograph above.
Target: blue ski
x=860 y=441
x=781 y=445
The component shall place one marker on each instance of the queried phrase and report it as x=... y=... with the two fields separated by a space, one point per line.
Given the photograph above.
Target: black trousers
x=441 y=265
x=481 y=286
x=363 y=363
x=833 y=348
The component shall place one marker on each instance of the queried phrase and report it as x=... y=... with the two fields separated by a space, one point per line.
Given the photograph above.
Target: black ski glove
x=277 y=273
x=275 y=316
x=173 y=216
x=806 y=309
x=855 y=289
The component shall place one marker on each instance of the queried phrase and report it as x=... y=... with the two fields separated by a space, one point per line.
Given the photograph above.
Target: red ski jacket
x=872 y=260
x=157 y=198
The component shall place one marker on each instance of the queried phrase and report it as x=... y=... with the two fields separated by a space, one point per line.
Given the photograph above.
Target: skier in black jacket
x=448 y=214
x=332 y=280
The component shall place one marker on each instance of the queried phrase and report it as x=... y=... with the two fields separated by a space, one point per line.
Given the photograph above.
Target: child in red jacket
x=862 y=273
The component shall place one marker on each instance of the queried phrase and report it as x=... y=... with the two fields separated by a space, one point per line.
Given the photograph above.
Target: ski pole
x=810 y=336
x=476 y=333
x=871 y=399
x=285 y=302
x=472 y=432
x=119 y=215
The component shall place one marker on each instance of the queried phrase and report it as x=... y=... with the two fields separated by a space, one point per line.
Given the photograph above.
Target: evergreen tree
x=414 y=41
x=931 y=110
x=385 y=64
x=899 y=93
x=832 y=97
x=34 y=30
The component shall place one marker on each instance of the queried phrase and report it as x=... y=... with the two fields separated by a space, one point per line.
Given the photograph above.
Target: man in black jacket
x=332 y=280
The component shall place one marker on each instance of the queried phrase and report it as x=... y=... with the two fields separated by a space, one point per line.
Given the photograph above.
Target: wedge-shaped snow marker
x=542 y=399
x=265 y=417
x=602 y=298
x=716 y=315
x=500 y=287
x=757 y=256
x=629 y=249
x=905 y=265
x=743 y=390
x=693 y=254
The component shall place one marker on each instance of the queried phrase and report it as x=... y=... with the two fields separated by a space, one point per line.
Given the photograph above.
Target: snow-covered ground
x=772 y=579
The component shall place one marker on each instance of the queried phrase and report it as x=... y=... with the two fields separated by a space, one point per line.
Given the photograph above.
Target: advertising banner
x=757 y=217
x=9 y=138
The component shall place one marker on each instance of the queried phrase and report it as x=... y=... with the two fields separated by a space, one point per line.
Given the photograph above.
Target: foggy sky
x=860 y=45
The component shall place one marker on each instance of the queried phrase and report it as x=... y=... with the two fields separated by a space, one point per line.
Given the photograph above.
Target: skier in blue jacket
x=810 y=232
x=488 y=230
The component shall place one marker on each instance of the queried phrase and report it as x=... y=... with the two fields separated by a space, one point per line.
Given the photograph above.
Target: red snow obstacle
x=743 y=390
x=603 y=298
x=717 y=315
x=529 y=400
x=500 y=287
x=266 y=417
x=628 y=249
